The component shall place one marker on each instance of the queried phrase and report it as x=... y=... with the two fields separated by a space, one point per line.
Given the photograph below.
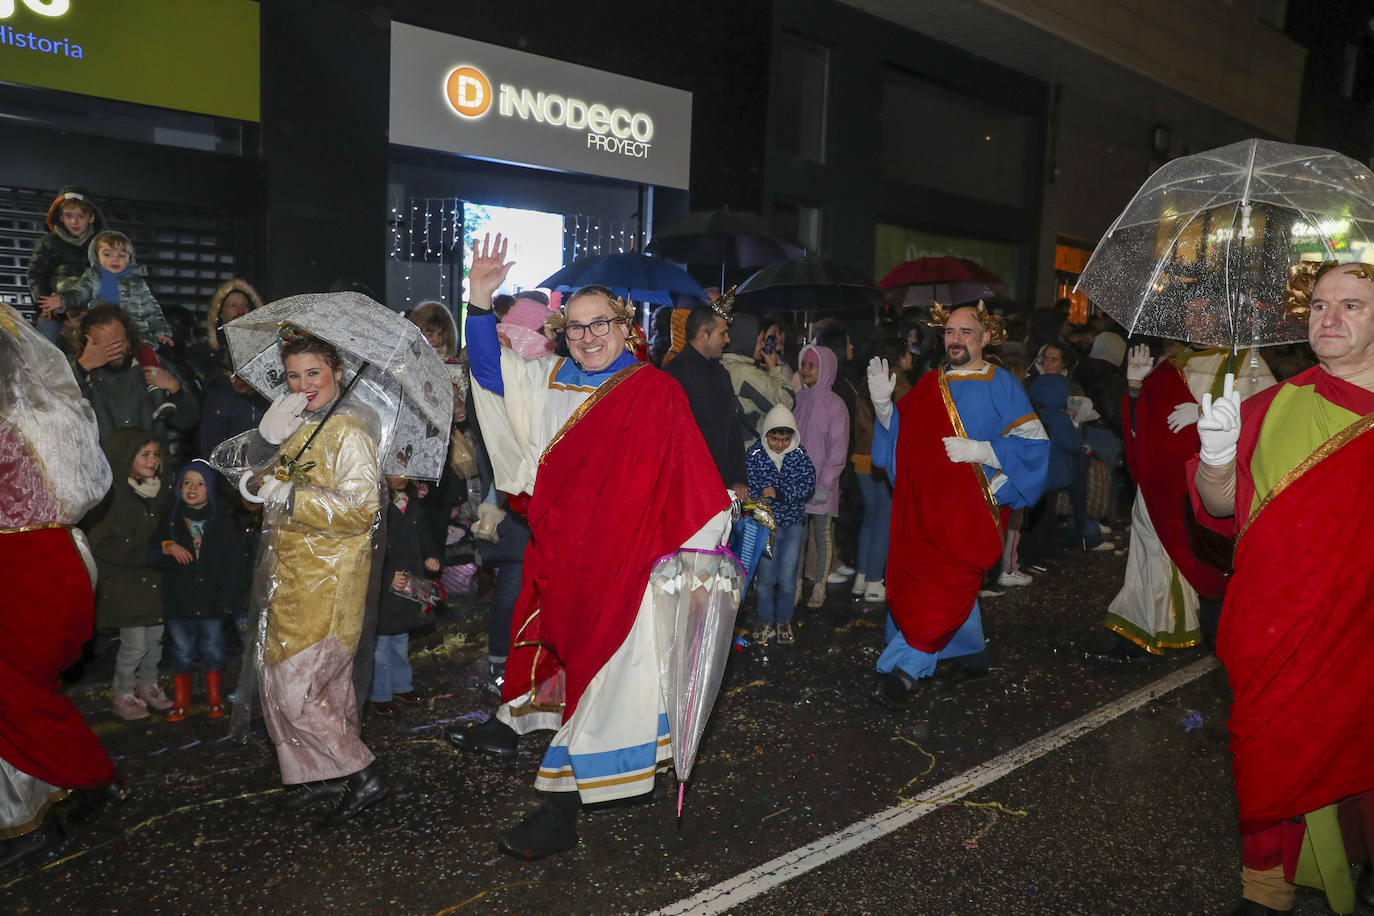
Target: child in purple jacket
x=823 y=421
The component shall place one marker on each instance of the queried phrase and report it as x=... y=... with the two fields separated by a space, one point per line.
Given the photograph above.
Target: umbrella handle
x=243 y=491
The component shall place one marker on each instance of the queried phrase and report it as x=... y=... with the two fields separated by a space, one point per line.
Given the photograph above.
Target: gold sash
x=977 y=465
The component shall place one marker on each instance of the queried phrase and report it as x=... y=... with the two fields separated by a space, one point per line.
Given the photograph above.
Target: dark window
x=800 y=84
x=936 y=137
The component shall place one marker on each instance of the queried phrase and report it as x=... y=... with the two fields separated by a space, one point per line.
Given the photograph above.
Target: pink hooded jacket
x=823 y=422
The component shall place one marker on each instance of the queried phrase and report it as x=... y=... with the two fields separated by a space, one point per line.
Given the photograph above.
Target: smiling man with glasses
x=624 y=479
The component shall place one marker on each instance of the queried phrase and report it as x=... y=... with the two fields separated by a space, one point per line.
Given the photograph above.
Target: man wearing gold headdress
x=1286 y=473
x=616 y=476
x=962 y=447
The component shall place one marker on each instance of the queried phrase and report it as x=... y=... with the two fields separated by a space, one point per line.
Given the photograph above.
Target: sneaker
x=1013 y=578
x=843 y=570
x=152 y=695
x=409 y=696
x=836 y=578
x=1105 y=545
x=764 y=634
x=129 y=708
x=817 y=595
x=1038 y=569
x=785 y=637
x=876 y=591
x=860 y=583
x=381 y=707
x=988 y=591
x=1106 y=530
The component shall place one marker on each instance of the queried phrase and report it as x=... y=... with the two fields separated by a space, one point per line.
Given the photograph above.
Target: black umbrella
x=807 y=284
x=730 y=238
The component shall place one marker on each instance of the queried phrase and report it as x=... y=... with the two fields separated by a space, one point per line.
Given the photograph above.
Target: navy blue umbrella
x=633 y=276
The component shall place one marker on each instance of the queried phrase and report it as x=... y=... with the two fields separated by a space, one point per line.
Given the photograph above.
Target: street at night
x=1132 y=813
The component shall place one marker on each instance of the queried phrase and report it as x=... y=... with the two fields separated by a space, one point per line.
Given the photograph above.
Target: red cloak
x=945 y=532
x=1158 y=460
x=1296 y=626
x=49 y=611
x=627 y=481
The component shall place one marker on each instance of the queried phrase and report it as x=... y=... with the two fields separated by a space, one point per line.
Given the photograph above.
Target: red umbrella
x=946 y=280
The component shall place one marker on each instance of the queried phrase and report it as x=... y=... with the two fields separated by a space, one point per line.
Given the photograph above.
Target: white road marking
x=728 y=894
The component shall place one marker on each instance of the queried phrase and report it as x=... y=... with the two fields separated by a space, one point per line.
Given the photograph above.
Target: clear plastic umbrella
x=398 y=375
x=696 y=596
x=1202 y=252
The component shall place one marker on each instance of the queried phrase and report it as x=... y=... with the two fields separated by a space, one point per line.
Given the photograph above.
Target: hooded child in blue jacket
x=779 y=468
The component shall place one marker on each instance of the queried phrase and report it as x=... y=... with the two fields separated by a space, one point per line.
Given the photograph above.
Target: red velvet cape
x=1158 y=462
x=944 y=535
x=627 y=483
x=1297 y=624
x=49 y=610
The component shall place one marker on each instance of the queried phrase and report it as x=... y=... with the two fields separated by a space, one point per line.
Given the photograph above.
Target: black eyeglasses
x=599 y=328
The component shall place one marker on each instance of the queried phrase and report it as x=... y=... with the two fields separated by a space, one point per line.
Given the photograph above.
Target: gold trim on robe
x=977 y=465
x=1325 y=450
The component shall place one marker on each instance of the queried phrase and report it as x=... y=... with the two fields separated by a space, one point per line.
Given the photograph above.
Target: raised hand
x=283 y=418
x=1219 y=426
x=881 y=384
x=1138 y=363
x=488 y=269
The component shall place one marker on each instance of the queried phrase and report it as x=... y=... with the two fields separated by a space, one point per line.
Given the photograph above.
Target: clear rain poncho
x=49 y=441
x=315 y=579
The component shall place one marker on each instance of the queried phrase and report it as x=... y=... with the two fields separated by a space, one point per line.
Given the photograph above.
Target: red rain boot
x=212 y=686
x=181 y=697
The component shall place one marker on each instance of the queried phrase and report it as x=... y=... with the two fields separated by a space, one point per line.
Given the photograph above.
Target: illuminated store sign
x=462 y=96
x=136 y=51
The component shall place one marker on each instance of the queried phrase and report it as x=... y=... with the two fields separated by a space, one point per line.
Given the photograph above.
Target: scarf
x=146 y=488
x=109 y=284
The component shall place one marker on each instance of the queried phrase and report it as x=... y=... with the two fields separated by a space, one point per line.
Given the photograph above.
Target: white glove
x=881 y=384
x=1219 y=425
x=283 y=418
x=275 y=492
x=1185 y=414
x=968 y=451
x=489 y=516
x=1138 y=363
x=819 y=497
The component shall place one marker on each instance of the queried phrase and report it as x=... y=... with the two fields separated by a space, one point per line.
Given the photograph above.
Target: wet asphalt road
x=1136 y=816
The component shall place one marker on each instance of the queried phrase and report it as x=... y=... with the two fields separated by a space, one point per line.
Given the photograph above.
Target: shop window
x=188 y=252
x=936 y=137
x=801 y=76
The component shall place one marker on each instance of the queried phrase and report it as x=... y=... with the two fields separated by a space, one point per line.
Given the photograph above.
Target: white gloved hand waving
x=1138 y=363
x=881 y=384
x=969 y=451
x=1219 y=425
x=1185 y=414
x=283 y=418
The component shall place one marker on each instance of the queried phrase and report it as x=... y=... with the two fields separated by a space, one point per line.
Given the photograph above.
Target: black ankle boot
x=547 y=830
x=1364 y=888
x=893 y=691
x=361 y=790
x=37 y=844
x=307 y=793
x=85 y=805
x=491 y=737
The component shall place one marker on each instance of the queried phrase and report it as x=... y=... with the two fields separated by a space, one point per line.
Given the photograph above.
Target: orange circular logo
x=469 y=92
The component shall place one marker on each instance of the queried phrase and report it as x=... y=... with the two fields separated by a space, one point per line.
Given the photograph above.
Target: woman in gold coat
x=321 y=513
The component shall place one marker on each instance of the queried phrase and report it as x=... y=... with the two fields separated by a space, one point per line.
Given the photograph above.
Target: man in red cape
x=1286 y=474
x=51 y=473
x=962 y=447
x=1171 y=595
x=619 y=477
